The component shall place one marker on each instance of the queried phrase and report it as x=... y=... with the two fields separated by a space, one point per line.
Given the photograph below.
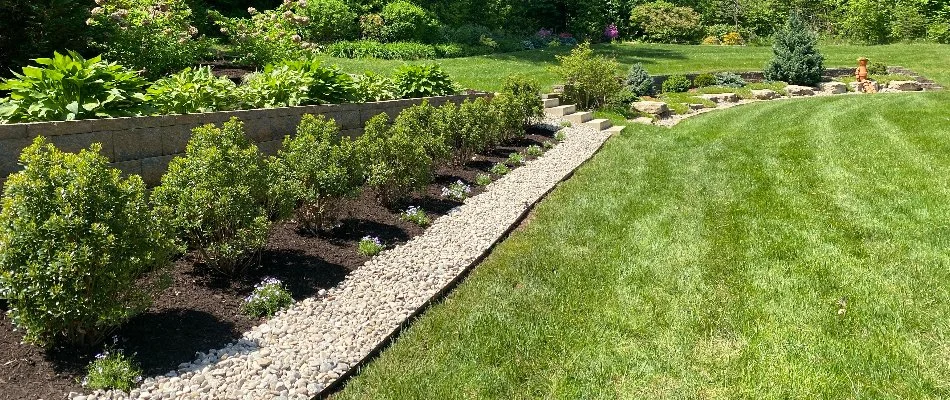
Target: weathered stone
x=904 y=86
x=859 y=87
x=797 y=90
x=697 y=106
x=651 y=107
x=721 y=97
x=765 y=94
x=833 y=87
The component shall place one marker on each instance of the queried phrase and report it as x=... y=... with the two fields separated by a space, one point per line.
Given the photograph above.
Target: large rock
x=765 y=94
x=721 y=97
x=859 y=87
x=651 y=107
x=796 y=90
x=905 y=86
x=834 y=87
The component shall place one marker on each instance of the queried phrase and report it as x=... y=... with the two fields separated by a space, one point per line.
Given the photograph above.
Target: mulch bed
x=200 y=311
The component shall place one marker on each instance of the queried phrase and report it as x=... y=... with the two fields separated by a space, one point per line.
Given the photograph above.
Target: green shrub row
x=69 y=87
x=76 y=238
x=406 y=50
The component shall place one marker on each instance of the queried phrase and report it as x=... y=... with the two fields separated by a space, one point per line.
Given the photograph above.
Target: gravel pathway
x=302 y=351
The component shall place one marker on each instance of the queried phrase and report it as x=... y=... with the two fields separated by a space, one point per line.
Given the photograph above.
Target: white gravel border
x=302 y=351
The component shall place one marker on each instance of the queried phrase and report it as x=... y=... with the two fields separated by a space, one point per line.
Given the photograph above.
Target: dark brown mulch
x=201 y=310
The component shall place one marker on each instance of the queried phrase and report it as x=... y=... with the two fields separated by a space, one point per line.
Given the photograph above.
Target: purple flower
x=611 y=32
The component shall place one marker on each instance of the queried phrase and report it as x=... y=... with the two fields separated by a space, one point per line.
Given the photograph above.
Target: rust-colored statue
x=862 y=76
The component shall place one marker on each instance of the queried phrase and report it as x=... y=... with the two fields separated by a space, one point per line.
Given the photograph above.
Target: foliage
x=404 y=20
x=877 y=68
x=533 y=151
x=325 y=84
x=295 y=83
x=866 y=21
x=416 y=216
x=112 y=369
x=664 y=22
x=483 y=179
x=796 y=58
x=514 y=160
x=676 y=84
x=267 y=37
x=729 y=79
x=474 y=129
x=414 y=81
x=370 y=246
x=385 y=51
x=373 y=87
x=320 y=168
x=733 y=39
x=35 y=28
x=398 y=161
x=69 y=87
x=373 y=27
x=639 y=81
x=75 y=237
x=907 y=22
x=524 y=95
x=429 y=125
x=192 y=91
x=589 y=80
x=267 y=299
x=329 y=21
x=457 y=191
x=548 y=144
x=157 y=36
x=711 y=41
x=217 y=197
x=703 y=80
x=560 y=136
x=500 y=169
x=939 y=32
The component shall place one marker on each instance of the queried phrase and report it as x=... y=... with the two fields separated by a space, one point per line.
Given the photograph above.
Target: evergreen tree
x=797 y=60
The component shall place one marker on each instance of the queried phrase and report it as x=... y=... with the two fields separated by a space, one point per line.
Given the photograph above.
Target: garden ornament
x=862 y=76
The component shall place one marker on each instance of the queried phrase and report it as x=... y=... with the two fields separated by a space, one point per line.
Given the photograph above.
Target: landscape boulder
x=905 y=86
x=858 y=87
x=796 y=90
x=765 y=94
x=834 y=87
x=721 y=97
x=651 y=107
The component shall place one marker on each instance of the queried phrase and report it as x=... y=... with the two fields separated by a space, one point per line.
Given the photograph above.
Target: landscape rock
x=651 y=107
x=721 y=97
x=765 y=94
x=905 y=86
x=833 y=87
x=797 y=90
x=697 y=106
x=856 y=87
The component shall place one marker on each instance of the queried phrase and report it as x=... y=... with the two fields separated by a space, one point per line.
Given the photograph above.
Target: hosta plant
x=192 y=91
x=217 y=197
x=267 y=299
x=423 y=81
x=327 y=84
x=75 y=240
x=275 y=86
x=320 y=168
x=69 y=87
x=373 y=87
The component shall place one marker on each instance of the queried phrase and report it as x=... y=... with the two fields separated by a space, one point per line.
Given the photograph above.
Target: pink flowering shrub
x=611 y=32
x=156 y=36
x=268 y=36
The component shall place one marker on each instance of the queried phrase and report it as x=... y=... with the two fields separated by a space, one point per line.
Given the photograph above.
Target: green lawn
x=787 y=250
x=487 y=72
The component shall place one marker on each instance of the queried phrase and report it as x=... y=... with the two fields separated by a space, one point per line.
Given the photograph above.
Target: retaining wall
x=756 y=76
x=145 y=145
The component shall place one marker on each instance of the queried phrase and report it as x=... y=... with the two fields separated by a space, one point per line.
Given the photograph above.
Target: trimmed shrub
x=877 y=68
x=676 y=84
x=474 y=129
x=525 y=96
x=192 y=91
x=711 y=41
x=704 y=80
x=589 y=80
x=320 y=168
x=428 y=125
x=664 y=22
x=414 y=81
x=639 y=81
x=733 y=39
x=398 y=163
x=217 y=197
x=329 y=21
x=70 y=87
x=157 y=37
x=404 y=20
x=75 y=237
x=796 y=58
x=729 y=79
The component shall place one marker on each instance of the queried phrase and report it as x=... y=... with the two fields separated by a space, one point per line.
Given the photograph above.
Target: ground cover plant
x=753 y=247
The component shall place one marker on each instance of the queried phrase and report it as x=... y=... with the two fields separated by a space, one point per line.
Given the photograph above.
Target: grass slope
x=714 y=260
x=487 y=72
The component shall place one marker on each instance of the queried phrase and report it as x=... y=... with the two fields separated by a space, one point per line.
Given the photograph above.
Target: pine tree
x=797 y=60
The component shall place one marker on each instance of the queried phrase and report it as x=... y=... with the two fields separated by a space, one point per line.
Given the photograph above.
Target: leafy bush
x=370 y=246
x=733 y=39
x=474 y=129
x=112 y=369
x=676 y=84
x=373 y=27
x=267 y=299
x=533 y=151
x=939 y=32
x=500 y=169
x=867 y=21
x=428 y=125
x=877 y=68
x=404 y=20
x=907 y=22
x=296 y=83
x=320 y=168
x=192 y=91
x=75 y=237
x=589 y=80
x=639 y=81
x=415 y=215
x=217 y=196
x=373 y=87
x=385 y=51
x=729 y=79
x=514 y=160
x=483 y=179
x=69 y=87
x=796 y=59
x=398 y=162
x=156 y=36
x=414 y=81
x=664 y=22
x=325 y=84
x=457 y=191
x=525 y=96
x=267 y=37
x=330 y=20
x=711 y=41
x=704 y=80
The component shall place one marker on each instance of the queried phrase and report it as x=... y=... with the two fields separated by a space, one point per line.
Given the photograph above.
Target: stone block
x=833 y=87
x=153 y=168
x=720 y=97
x=259 y=129
x=346 y=119
x=269 y=148
x=765 y=94
x=58 y=128
x=13 y=131
x=859 y=87
x=905 y=86
x=10 y=156
x=80 y=141
x=129 y=167
x=174 y=139
x=137 y=144
x=797 y=90
x=651 y=107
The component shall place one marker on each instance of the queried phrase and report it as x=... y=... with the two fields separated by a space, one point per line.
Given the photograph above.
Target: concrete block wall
x=145 y=145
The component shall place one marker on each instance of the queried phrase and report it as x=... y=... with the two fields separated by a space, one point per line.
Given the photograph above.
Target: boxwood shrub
x=399 y=163
x=75 y=239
